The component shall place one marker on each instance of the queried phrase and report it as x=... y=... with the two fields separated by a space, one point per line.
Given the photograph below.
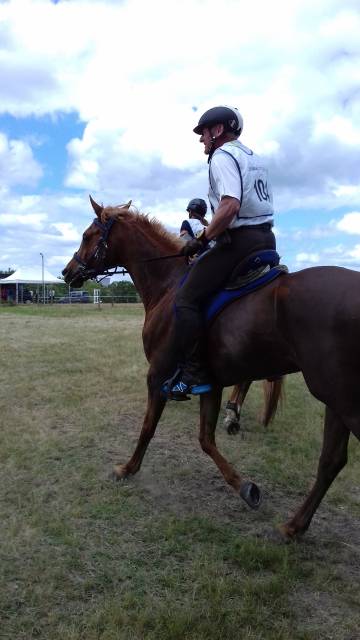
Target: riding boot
x=192 y=375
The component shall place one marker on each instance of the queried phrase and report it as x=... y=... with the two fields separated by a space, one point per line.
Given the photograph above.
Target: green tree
x=5 y=274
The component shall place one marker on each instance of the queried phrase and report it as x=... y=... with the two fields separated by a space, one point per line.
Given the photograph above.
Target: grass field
x=172 y=553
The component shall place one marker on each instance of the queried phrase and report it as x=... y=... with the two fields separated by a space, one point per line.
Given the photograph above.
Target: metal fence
x=91 y=299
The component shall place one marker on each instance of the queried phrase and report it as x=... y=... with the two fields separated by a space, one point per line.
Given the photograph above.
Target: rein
x=99 y=255
x=174 y=255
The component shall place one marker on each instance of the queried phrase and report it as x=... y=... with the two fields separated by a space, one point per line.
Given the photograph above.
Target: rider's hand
x=192 y=247
x=195 y=245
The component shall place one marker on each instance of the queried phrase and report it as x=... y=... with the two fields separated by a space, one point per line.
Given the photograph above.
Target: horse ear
x=97 y=208
x=123 y=207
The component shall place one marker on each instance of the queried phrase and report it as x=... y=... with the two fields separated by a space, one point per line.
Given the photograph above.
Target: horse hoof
x=289 y=534
x=231 y=426
x=251 y=494
x=119 y=472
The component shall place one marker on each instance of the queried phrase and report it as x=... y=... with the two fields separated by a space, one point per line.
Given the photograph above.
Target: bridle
x=98 y=254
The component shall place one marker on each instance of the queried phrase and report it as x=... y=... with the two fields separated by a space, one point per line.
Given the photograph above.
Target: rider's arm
x=226 y=184
x=224 y=214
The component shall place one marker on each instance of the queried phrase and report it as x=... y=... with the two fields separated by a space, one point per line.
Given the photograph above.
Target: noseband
x=99 y=252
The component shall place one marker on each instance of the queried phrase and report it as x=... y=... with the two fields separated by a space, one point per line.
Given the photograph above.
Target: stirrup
x=167 y=387
x=176 y=389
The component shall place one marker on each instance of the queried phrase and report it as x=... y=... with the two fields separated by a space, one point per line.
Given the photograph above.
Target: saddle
x=255 y=271
x=252 y=267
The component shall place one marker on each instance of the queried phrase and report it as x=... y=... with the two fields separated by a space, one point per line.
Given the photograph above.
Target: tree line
x=116 y=289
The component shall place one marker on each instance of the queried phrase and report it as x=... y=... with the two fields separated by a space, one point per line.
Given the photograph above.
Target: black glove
x=196 y=245
x=192 y=247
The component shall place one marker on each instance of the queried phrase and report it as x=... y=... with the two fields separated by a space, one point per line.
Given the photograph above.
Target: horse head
x=94 y=256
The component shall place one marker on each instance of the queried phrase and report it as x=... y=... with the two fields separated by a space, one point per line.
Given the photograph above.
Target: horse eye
x=84 y=237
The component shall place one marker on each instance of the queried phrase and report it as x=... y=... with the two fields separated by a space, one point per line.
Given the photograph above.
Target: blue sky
x=100 y=97
x=48 y=137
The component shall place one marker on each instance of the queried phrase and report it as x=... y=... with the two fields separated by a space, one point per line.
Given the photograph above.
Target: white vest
x=195 y=225
x=234 y=170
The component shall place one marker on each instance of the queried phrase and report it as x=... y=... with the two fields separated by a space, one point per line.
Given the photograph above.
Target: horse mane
x=151 y=227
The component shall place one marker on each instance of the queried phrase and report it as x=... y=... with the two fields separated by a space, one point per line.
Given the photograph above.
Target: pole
x=43 y=281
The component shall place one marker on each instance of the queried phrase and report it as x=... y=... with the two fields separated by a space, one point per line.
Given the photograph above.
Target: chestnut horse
x=307 y=321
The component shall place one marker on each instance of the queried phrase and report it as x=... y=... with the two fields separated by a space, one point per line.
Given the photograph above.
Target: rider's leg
x=207 y=275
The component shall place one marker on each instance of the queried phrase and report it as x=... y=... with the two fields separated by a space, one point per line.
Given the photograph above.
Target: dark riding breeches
x=207 y=275
x=212 y=270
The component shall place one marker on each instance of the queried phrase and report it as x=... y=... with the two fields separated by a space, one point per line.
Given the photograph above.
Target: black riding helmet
x=230 y=117
x=197 y=205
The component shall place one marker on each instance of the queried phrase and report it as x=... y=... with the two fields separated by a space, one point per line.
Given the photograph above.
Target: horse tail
x=273 y=393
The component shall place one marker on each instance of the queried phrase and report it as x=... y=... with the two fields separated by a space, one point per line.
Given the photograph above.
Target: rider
x=241 y=201
x=196 y=209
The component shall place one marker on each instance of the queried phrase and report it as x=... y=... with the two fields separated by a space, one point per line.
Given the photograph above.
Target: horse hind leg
x=233 y=407
x=272 y=391
x=332 y=459
x=209 y=410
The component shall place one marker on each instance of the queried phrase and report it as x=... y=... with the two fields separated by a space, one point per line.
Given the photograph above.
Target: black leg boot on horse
x=191 y=376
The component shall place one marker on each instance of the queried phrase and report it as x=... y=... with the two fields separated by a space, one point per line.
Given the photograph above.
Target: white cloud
x=32 y=220
x=134 y=81
x=26 y=230
x=135 y=86
x=337 y=250
x=350 y=223
x=303 y=258
x=347 y=194
x=17 y=163
x=343 y=128
x=355 y=252
x=67 y=231
x=58 y=261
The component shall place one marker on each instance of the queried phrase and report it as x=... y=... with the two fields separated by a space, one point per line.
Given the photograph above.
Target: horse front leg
x=233 y=407
x=209 y=411
x=155 y=407
x=332 y=459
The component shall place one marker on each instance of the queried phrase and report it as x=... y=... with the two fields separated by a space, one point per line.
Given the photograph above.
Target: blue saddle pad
x=224 y=297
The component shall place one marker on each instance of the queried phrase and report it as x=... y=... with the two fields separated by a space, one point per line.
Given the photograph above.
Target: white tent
x=30 y=275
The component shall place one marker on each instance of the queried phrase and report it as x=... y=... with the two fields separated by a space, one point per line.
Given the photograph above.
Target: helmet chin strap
x=212 y=149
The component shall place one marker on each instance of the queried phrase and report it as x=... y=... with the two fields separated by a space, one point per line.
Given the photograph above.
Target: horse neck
x=152 y=279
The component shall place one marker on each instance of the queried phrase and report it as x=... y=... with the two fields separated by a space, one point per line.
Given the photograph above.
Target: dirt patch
x=177 y=477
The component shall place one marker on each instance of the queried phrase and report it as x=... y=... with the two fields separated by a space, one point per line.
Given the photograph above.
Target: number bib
x=236 y=171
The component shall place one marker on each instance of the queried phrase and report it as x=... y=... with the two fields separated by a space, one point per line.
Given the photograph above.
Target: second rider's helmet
x=197 y=205
x=230 y=117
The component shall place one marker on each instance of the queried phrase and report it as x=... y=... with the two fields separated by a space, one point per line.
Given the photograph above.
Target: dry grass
x=172 y=553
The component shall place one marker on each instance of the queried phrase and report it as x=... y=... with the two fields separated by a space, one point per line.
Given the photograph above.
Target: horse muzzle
x=74 y=276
